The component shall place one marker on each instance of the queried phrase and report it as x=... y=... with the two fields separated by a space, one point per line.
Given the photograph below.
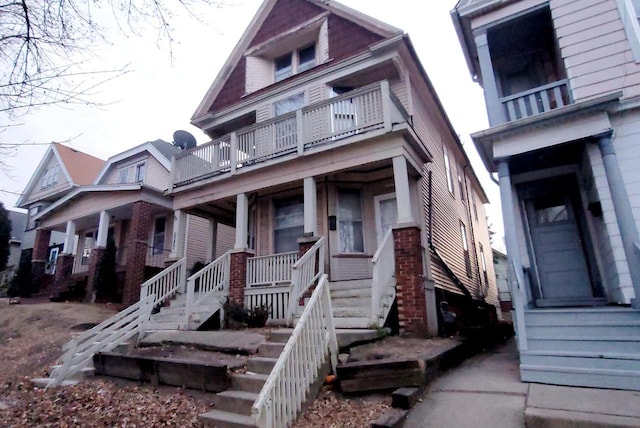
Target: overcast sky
x=161 y=92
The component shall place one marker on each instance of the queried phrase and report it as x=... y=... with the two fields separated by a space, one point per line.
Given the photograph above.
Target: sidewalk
x=486 y=391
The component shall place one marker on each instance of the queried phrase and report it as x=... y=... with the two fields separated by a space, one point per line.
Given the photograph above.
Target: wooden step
x=345 y=302
x=575 y=343
x=351 y=292
x=350 y=285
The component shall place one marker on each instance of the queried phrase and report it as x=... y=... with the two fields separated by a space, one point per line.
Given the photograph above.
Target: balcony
x=330 y=122
x=535 y=101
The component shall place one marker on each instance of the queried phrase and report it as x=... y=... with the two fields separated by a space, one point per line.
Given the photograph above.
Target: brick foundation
x=136 y=252
x=64 y=269
x=39 y=257
x=409 y=279
x=96 y=256
x=238 y=276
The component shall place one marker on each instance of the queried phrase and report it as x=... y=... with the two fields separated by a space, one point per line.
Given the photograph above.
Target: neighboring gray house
x=18 y=224
x=501 y=268
x=562 y=86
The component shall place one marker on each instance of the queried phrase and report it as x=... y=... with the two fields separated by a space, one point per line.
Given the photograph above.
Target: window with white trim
x=50 y=176
x=159 y=229
x=294 y=62
x=465 y=248
x=447 y=170
x=132 y=173
x=351 y=236
x=33 y=210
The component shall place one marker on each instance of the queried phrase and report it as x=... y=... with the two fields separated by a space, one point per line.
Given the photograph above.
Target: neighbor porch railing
x=299 y=364
x=372 y=107
x=79 y=352
x=167 y=283
x=383 y=285
x=275 y=297
x=538 y=100
x=270 y=270
x=211 y=284
x=304 y=273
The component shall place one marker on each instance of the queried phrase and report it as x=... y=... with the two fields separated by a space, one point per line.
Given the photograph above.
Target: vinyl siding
x=225 y=239
x=595 y=48
x=197 y=242
x=113 y=175
x=156 y=175
x=38 y=192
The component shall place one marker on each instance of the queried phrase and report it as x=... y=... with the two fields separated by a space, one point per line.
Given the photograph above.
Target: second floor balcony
x=370 y=110
x=535 y=101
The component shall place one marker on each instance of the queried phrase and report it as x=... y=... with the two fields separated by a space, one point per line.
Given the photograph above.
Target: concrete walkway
x=485 y=391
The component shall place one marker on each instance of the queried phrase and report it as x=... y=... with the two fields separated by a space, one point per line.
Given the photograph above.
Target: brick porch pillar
x=238 y=275
x=94 y=260
x=64 y=269
x=409 y=281
x=136 y=252
x=39 y=257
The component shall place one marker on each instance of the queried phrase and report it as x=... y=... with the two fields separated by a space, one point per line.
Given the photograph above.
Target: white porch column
x=179 y=234
x=403 y=191
x=242 y=221
x=516 y=281
x=624 y=212
x=70 y=238
x=212 y=232
x=310 y=207
x=103 y=229
x=488 y=79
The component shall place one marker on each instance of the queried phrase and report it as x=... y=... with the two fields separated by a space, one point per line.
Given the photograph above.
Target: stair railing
x=298 y=367
x=79 y=351
x=304 y=273
x=383 y=290
x=212 y=282
x=166 y=283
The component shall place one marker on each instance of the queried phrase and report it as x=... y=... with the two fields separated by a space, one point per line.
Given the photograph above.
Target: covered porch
x=572 y=242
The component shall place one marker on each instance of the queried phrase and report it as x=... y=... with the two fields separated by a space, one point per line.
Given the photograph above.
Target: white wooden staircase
x=592 y=347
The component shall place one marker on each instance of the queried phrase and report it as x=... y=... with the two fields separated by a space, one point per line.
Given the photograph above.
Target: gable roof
x=78 y=168
x=159 y=149
x=373 y=25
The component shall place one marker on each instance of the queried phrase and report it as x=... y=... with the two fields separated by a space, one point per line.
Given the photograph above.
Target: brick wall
x=409 y=279
x=64 y=269
x=238 y=276
x=136 y=252
x=39 y=258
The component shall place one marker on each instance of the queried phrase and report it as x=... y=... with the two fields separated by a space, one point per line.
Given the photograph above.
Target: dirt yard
x=31 y=336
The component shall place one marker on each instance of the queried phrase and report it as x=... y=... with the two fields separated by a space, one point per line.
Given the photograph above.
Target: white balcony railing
x=535 y=101
x=270 y=270
x=373 y=107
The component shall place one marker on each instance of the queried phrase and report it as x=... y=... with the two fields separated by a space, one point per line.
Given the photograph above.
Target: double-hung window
x=351 y=236
x=50 y=176
x=294 y=62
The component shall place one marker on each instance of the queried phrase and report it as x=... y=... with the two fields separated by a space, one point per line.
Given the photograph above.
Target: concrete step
x=221 y=419
x=270 y=349
x=352 y=322
x=163 y=325
x=345 y=302
x=351 y=292
x=248 y=382
x=261 y=365
x=171 y=310
x=352 y=312
x=162 y=317
x=350 y=285
x=233 y=401
x=281 y=335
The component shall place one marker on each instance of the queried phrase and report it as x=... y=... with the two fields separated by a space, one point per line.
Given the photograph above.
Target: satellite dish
x=184 y=140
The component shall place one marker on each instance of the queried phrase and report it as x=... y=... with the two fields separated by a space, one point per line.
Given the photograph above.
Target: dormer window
x=294 y=62
x=50 y=176
x=132 y=173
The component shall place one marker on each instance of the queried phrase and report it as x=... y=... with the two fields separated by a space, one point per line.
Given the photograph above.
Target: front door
x=559 y=242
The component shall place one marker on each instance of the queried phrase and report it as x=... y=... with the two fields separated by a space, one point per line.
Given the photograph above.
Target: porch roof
x=484 y=140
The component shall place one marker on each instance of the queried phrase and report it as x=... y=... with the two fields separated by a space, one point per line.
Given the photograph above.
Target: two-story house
x=125 y=203
x=562 y=82
x=61 y=170
x=328 y=136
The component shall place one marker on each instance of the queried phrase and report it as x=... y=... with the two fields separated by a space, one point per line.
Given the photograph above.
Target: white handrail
x=517 y=296
x=304 y=273
x=383 y=289
x=212 y=280
x=312 y=340
x=104 y=337
x=165 y=284
x=270 y=270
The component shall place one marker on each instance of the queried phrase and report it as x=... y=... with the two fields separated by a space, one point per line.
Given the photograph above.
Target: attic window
x=132 y=173
x=295 y=62
x=50 y=176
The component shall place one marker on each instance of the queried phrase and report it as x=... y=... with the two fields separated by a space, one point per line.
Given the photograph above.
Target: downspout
x=433 y=248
